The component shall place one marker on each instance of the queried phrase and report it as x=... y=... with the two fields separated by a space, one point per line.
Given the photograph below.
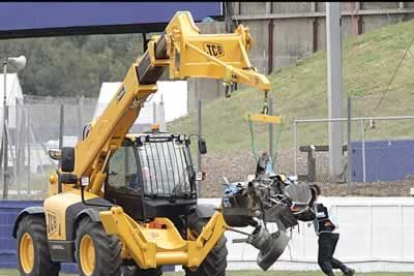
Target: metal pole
x=354 y=119
x=5 y=160
x=334 y=60
x=80 y=117
x=200 y=132
x=29 y=156
x=349 y=150
x=17 y=150
x=295 y=141
x=61 y=129
x=154 y=112
x=271 y=142
x=363 y=150
x=161 y=115
x=12 y=154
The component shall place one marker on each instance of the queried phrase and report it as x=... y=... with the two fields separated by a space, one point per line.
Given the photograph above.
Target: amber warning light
x=155 y=127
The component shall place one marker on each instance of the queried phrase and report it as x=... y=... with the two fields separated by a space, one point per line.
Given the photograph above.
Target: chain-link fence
x=233 y=152
x=382 y=150
x=33 y=128
x=382 y=147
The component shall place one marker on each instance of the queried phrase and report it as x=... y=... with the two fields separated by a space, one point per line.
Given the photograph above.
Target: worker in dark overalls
x=326 y=229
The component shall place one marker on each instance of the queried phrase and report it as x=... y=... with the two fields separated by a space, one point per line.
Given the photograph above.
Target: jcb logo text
x=214 y=49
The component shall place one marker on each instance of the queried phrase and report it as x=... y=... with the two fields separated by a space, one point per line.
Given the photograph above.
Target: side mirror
x=68 y=159
x=55 y=154
x=202 y=146
x=68 y=178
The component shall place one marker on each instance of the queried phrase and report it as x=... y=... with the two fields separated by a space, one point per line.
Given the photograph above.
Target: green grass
x=14 y=272
x=300 y=91
x=8 y=272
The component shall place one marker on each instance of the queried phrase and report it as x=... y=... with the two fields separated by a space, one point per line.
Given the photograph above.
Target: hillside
x=300 y=91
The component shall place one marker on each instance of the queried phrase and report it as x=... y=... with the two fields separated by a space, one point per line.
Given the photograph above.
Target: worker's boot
x=349 y=272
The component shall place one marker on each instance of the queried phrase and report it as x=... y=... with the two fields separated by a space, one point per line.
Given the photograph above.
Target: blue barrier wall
x=388 y=160
x=9 y=209
x=8 y=213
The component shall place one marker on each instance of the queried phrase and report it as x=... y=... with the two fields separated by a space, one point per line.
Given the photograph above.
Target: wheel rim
x=26 y=253
x=87 y=255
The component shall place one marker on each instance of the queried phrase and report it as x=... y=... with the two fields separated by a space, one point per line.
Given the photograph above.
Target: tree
x=73 y=65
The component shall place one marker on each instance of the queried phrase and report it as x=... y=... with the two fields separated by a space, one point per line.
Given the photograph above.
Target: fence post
x=32 y=135
x=12 y=156
x=161 y=115
x=20 y=147
x=80 y=116
x=295 y=142
x=200 y=132
x=61 y=129
x=5 y=153
x=371 y=231
x=154 y=112
x=363 y=150
x=349 y=150
x=271 y=142
x=16 y=147
x=29 y=156
x=401 y=207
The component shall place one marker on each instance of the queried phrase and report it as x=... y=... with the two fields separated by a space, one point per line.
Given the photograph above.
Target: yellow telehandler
x=126 y=204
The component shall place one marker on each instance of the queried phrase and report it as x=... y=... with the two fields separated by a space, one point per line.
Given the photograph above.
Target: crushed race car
x=268 y=199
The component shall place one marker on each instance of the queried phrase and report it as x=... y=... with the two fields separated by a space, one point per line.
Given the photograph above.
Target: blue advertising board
x=28 y=19
x=389 y=160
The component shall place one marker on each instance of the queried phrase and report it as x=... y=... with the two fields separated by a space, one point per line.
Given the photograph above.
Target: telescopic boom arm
x=188 y=54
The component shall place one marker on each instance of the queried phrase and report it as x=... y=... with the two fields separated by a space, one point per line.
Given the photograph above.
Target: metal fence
x=33 y=127
x=234 y=150
x=382 y=149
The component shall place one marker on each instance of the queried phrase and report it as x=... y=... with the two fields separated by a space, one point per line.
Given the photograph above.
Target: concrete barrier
x=376 y=236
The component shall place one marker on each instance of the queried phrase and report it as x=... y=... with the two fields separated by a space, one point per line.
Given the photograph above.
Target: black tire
x=35 y=226
x=136 y=271
x=215 y=263
x=108 y=261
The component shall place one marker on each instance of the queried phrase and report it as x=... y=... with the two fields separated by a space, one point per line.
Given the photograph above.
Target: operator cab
x=152 y=175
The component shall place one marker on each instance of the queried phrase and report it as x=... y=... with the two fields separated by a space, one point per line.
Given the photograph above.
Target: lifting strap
x=268 y=119
x=279 y=133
